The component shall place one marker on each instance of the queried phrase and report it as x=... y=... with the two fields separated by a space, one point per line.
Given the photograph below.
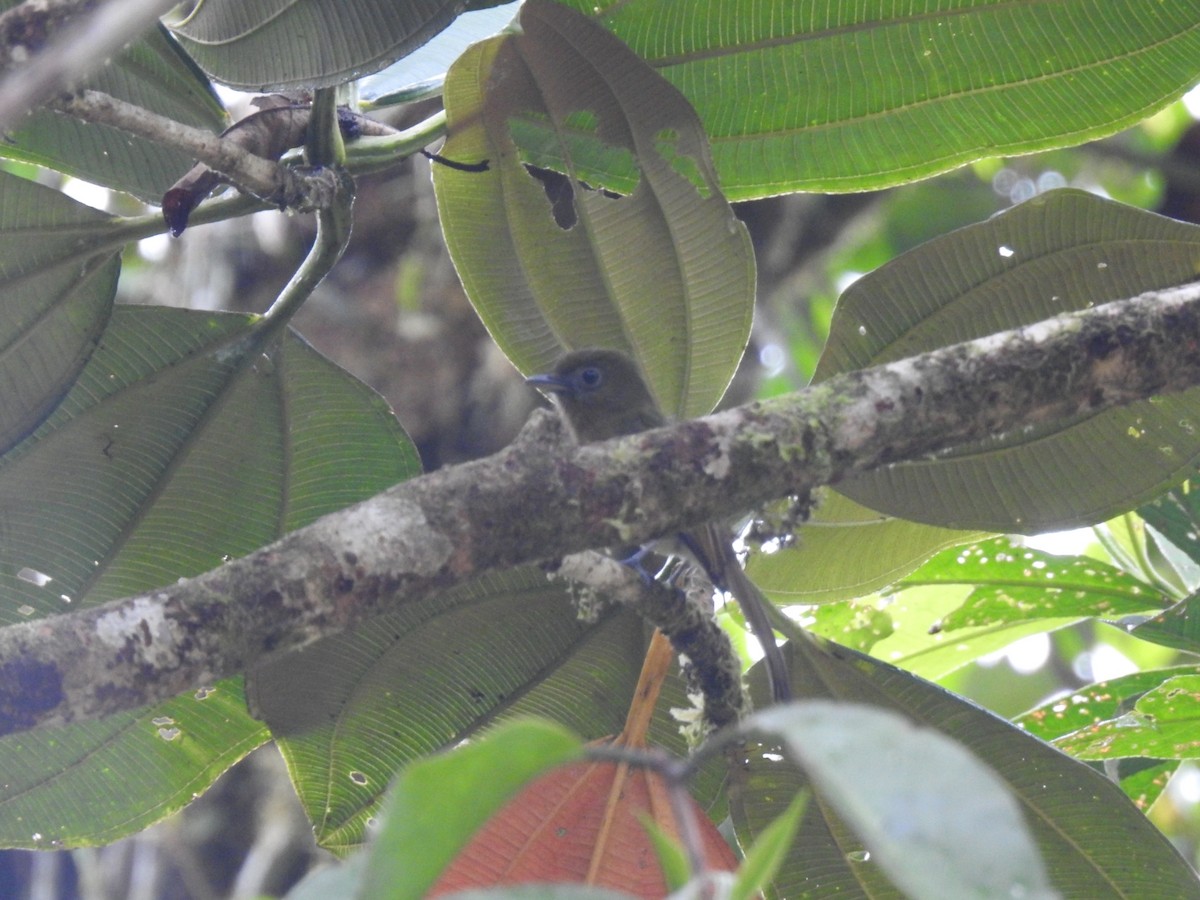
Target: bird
x=600 y=394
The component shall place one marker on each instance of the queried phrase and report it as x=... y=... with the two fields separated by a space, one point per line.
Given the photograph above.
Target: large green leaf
x=56 y=292
x=664 y=272
x=96 y=782
x=351 y=710
x=1010 y=583
x=179 y=419
x=934 y=819
x=1163 y=724
x=1095 y=843
x=152 y=73
x=1142 y=780
x=844 y=550
x=849 y=96
x=260 y=45
x=1064 y=250
x=439 y=803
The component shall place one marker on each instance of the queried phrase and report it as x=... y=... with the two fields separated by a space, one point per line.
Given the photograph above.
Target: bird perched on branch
x=601 y=395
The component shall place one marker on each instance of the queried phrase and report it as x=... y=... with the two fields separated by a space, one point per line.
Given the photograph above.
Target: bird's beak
x=556 y=384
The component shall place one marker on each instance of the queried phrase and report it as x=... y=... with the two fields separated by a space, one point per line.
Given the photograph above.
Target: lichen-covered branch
x=541 y=498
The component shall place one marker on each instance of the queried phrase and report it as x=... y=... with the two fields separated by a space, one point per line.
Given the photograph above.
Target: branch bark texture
x=541 y=498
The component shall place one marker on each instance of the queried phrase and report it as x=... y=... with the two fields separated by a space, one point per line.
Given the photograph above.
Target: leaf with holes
x=660 y=268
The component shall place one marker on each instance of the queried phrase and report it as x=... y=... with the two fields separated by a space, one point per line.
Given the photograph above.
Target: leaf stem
x=333 y=232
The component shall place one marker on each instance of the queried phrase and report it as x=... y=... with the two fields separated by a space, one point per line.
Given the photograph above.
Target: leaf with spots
x=1010 y=583
x=1163 y=724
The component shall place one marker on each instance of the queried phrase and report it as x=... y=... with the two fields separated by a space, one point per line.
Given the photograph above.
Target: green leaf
x=767 y=853
x=1094 y=703
x=438 y=803
x=850 y=96
x=1177 y=627
x=1063 y=250
x=664 y=272
x=1093 y=840
x=938 y=822
x=1011 y=583
x=845 y=551
x=178 y=418
x=325 y=882
x=919 y=644
x=1176 y=515
x=1163 y=724
x=670 y=853
x=262 y=45
x=152 y=73
x=859 y=626
x=96 y=782
x=1142 y=780
x=350 y=710
x=58 y=283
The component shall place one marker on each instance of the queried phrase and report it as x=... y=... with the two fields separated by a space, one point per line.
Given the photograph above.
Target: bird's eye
x=590 y=377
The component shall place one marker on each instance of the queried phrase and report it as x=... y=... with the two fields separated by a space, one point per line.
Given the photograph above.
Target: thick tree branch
x=540 y=499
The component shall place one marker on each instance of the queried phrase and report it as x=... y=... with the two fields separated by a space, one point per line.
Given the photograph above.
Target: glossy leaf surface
x=1010 y=583
x=850 y=96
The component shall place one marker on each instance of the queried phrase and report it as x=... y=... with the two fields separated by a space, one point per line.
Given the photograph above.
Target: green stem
x=323 y=144
x=370 y=154
x=333 y=232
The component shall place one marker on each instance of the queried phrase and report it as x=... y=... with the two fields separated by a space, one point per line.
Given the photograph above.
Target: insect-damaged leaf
x=655 y=265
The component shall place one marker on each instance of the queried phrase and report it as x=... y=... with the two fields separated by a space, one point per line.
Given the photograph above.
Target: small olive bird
x=601 y=395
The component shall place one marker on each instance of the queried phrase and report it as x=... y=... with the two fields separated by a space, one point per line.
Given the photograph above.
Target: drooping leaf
x=1092 y=839
x=1010 y=583
x=350 y=710
x=438 y=803
x=663 y=271
x=850 y=96
x=57 y=283
x=931 y=816
x=178 y=418
x=261 y=45
x=1064 y=250
x=151 y=73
